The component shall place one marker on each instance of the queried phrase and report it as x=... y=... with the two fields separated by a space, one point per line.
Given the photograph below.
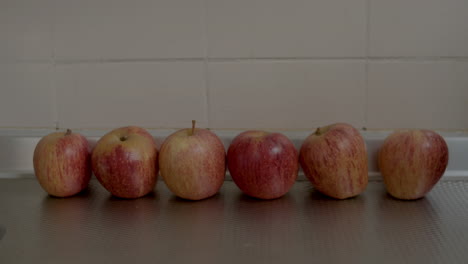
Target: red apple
x=125 y=161
x=62 y=163
x=193 y=163
x=334 y=159
x=412 y=162
x=263 y=165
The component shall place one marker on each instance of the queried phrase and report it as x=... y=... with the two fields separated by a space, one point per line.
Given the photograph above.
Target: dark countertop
x=302 y=227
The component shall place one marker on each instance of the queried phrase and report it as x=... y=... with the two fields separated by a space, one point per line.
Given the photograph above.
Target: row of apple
x=263 y=165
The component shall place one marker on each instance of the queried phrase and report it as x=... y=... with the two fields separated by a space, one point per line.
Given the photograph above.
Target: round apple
x=193 y=163
x=263 y=165
x=62 y=163
x=334 y=159
x=412 y=162
x=125 y=161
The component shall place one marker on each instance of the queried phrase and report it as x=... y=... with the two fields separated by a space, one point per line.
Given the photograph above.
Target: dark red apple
x=62 y=163
x=125 y=161
x=193 y=163
x=412 y=162
x=263 y=165
x=334 y=159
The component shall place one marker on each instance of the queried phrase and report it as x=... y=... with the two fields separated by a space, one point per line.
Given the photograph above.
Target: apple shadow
x=151 y=195
x=175 y=198
x=211 y=203
x=244 y=197
x=389 y=196
x=86 y=192
x=94 y=188
x=315 y=194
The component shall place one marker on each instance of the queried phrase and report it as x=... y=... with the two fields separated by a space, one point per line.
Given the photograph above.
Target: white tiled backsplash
x=230 y=64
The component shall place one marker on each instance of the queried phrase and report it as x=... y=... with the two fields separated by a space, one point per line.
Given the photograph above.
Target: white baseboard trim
x=17 y=147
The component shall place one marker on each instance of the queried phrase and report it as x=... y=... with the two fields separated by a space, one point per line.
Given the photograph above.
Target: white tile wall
x=234 y=64
x=419 y=28
x=152 y=95
x=230 y=31
x=304 y=28
x=121 y=29
x=27 y=97
x=26 y=30
x=418 y=95
x=296 y=28
x=293 y=95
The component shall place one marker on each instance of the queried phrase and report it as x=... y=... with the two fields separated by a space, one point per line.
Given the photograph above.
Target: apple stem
x=193 y=127
x=68 y=132
x=318 y=132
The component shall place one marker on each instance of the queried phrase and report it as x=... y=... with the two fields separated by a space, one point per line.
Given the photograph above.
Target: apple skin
x=62 y=163
x=193 y=166
x=125 y=161
x=412 y=162
x=263 y=165
x=334 y=159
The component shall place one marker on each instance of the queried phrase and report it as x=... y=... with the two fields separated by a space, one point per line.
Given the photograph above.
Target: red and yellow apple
x=334 y=159
x=193 y=163
x=263 y=165
x=62 y=163
x=412 y=162
x=125 y=161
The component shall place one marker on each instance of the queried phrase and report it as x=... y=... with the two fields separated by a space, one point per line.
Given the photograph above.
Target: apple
x=125 y=161
x=263 y=165
x=334 y=159
x=193 y=163
x=62 y=163
x=412 y=162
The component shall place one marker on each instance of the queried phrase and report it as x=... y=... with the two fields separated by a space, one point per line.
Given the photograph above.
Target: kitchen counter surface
x=302 y=227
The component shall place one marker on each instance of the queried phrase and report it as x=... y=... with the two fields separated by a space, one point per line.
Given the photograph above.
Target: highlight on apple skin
x=193 y=163
x=125 y=161
x=62 y=163
x=263 y=165
x=334 y=159
x=412 y=162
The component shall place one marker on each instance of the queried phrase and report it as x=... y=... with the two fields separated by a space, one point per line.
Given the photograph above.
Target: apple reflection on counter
x=264 y=230
x=62 y=226
x=336 y=229
x=94 y=224
x=410 y=227
x=2 y=232
x=191 y=231
x=128 y=227
x=402 y=231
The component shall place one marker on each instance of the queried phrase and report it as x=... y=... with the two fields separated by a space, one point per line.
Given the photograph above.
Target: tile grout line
x=54 y=70
x=366 y=65
x=252 y=23
x=254 y=59
x=205 y=64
